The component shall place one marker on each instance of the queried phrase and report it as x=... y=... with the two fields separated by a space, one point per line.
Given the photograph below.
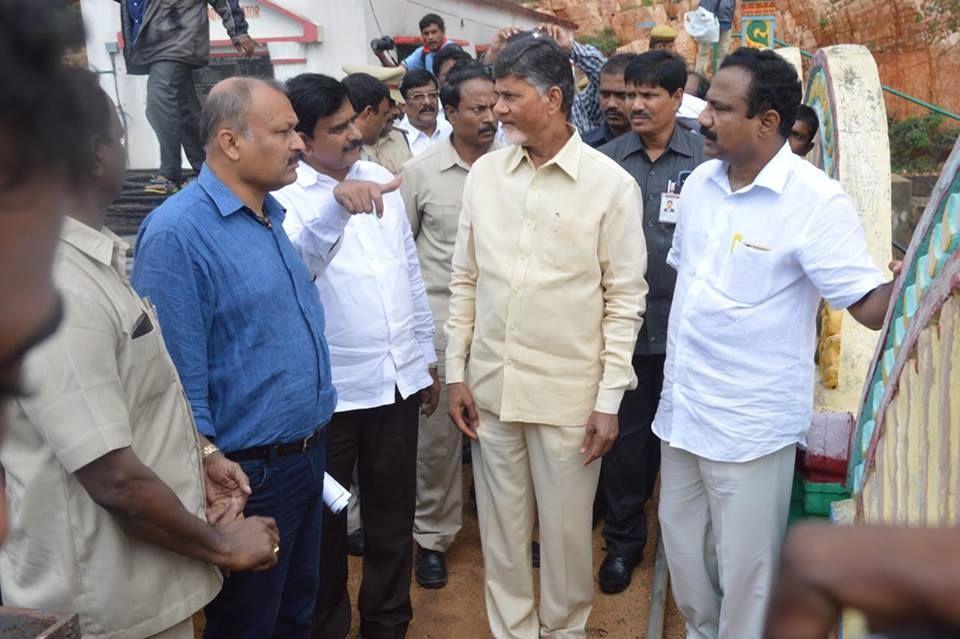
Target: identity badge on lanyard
x=669 y=203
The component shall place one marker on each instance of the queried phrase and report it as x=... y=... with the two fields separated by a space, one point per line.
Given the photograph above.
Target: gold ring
x=276 y=549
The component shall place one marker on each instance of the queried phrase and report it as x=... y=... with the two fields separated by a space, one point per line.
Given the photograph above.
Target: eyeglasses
x=422 y=97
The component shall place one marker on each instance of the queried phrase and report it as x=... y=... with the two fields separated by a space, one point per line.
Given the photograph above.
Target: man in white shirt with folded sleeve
x=380 y=331
x=761 y=236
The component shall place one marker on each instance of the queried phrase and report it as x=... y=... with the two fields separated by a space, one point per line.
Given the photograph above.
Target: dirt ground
x=458 y=611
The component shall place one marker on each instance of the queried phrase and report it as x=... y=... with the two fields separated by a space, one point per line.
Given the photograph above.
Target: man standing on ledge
x=434 y=35
x=761 y=236
x=547 y=292
x=166 y=40
x=244 y=325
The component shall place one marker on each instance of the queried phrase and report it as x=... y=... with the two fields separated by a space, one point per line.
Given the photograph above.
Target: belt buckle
x=305 y=445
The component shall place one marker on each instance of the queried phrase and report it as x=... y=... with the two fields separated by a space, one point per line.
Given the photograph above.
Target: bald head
x=228 y=104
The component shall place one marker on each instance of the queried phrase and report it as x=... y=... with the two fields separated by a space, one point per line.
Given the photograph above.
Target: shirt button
x=516 y=289
x=650 y=224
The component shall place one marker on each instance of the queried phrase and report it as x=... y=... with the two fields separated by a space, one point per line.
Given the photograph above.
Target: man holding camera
x=433 y=33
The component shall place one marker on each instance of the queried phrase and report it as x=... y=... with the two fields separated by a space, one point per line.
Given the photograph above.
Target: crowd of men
x=337 y=293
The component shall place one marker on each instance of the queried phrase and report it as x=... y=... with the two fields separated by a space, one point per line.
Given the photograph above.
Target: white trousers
x=723 y=525
x=522 y=472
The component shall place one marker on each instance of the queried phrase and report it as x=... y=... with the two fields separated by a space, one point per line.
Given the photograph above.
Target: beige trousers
x=183 y=630
x=723 y=525
x=705 y=53
x=439 y=476
x=523 y=472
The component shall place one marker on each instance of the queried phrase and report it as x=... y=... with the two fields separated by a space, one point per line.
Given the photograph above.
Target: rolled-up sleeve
x=834 y=254
x=78 y=403
x=168 y=272
x=623 y=262
x=463 y=293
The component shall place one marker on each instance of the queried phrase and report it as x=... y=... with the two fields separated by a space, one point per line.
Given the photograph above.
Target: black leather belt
x=275 y=450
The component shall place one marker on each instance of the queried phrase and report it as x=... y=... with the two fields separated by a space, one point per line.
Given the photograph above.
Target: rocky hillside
x=916 y=42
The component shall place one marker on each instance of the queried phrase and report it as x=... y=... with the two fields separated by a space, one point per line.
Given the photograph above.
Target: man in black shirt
x=614 y=102
x=659 y=154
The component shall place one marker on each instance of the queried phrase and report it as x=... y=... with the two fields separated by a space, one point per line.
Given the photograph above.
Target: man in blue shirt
x=433 y=32
x=244 y=325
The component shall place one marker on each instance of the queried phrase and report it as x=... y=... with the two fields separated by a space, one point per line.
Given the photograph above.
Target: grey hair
x=226 y=107
x=541 y=62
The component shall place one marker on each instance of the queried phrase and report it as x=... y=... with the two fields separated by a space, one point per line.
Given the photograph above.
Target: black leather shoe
x=355 y=543
x=615 y=574
x=535 y=548
x=431 y=569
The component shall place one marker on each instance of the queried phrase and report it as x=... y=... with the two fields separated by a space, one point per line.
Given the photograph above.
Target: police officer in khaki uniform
x=391 y=149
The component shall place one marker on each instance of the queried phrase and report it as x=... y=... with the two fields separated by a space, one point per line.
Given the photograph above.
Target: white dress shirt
x=751 y=269
x=378 y=322
x=420 y=141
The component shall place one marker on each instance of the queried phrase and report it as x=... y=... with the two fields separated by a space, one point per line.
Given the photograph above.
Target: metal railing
x=900 y=94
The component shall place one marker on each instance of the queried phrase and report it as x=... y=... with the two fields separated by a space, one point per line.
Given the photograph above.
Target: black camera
x=382 y=44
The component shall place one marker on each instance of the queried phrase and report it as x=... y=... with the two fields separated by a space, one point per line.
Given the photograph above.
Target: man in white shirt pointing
x=380 y=331
x=761 y=236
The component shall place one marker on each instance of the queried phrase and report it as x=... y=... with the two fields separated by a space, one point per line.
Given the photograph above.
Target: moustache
x=640 y=114
x=352 y=145
x=613 y=113
x=708 y=133
x=427 y=109
x=295 y=157
x=492 y=130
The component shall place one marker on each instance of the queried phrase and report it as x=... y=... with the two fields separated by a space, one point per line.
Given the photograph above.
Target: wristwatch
x=208 y=450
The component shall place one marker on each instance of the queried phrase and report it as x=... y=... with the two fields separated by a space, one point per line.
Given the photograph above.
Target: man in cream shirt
x=547 y=293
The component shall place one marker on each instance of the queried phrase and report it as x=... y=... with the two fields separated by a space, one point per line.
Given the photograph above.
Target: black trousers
x=382 y=442
x=629 y=471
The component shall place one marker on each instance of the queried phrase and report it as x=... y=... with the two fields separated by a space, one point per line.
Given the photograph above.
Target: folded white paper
x=335 y=496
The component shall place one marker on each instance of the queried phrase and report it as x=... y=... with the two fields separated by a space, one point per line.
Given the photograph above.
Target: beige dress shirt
x=390 y=151
x=547 y=289
x=432 y=190
x=103 y=382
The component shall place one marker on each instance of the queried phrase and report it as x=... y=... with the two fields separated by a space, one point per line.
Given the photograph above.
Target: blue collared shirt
x=136 y=8
x=240 y=315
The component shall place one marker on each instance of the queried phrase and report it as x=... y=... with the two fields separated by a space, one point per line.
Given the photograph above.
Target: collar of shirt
x=772 y=176
x=100 y=245
x=680 y=142
x=414 y=134
x=567 y=158
x=599 y=136
x=226 y=201
x=448 y=156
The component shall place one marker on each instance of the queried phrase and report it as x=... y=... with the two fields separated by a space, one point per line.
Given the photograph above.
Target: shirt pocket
x=147 y=373
x=747 y=274
x=568 y=243
x=444 y=221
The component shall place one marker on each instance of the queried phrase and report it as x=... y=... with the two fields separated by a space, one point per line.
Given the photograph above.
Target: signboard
x=757 y=19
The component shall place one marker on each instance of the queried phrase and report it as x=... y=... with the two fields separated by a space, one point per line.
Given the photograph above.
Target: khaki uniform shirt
x=547 y=289
x=390 y=151
x=432 y=190
x=103 y=382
